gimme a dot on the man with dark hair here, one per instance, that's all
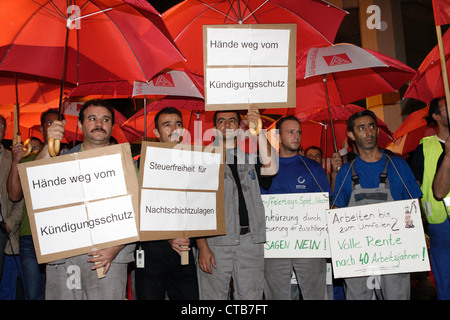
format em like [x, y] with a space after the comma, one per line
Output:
[296, 174]
[163, 275]
[33, 273]
[96, 121]
[373, 177]
[239, 254]
[425, 161]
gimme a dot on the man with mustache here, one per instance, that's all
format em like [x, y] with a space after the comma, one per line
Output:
[373, 177]
[96, 121]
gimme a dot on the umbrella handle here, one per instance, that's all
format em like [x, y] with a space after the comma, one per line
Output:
[28, 149]
[255, 129]
[53, 146]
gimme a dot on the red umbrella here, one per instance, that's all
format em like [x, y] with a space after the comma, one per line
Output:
[84, 40]
[344, 73]
[317, 21]
[411, 131]
[316, 128]
[174, 82]
[104, 39]
[19, 91]
[427, 83]
[27, 88]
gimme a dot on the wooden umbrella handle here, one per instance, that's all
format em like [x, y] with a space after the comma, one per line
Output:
[53, 146]
[28, 148]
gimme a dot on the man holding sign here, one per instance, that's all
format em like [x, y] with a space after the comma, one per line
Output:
[161, 272]
[239, 254]
[74, 278]
[296, 174]
[373, 177]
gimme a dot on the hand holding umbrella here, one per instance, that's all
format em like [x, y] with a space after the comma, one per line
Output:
[254, 120]
[55, 134]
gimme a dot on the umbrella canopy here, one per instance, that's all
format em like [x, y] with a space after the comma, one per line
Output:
[105, 39]
[351, 73]
[174, 82]
[27, 88]
[316, 128]
[427, 83]
[410, 132]
[317, 21]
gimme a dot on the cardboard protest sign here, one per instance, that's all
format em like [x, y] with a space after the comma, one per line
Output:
[181, 191]
[377, 239]
[296, 225]
[249, 64]
[80, 201]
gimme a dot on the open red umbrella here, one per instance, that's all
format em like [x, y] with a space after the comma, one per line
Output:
[344, 73]
[173, 82]
[101, 39]
[410, 132]
[81, 41]
[317, 21]
[427, 83]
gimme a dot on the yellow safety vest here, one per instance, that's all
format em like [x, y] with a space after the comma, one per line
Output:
[434, 210]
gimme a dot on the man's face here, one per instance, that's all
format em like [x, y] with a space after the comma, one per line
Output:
[2, 128]
[290, 136]
[49, 118]
[315, 155]
[365, 133]
[442, 115]
[169, 128]
[227, 123]
[97, 125]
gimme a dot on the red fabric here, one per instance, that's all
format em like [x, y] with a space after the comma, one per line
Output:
[127, 42]
[441, 12]
[427, 83]
[349, 86]
[317, 22]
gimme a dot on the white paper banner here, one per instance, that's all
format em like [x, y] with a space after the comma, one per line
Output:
[82, 226]
[76, 181]
[180, 169]
[241, 47]
[296, 225]
[246, 85]
[164, 210]
[377, 239]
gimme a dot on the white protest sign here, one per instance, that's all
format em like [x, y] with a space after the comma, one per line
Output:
[249, 64]
[180, 169]
[296, 225]
[240, 85]
[79, 201]
[76, 181]
[80, 226]
[248, 47]
[164, 210]
[377, 239]
[182, 191]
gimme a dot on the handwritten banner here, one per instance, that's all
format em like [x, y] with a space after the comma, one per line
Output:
[296, 225]
[377, 239]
